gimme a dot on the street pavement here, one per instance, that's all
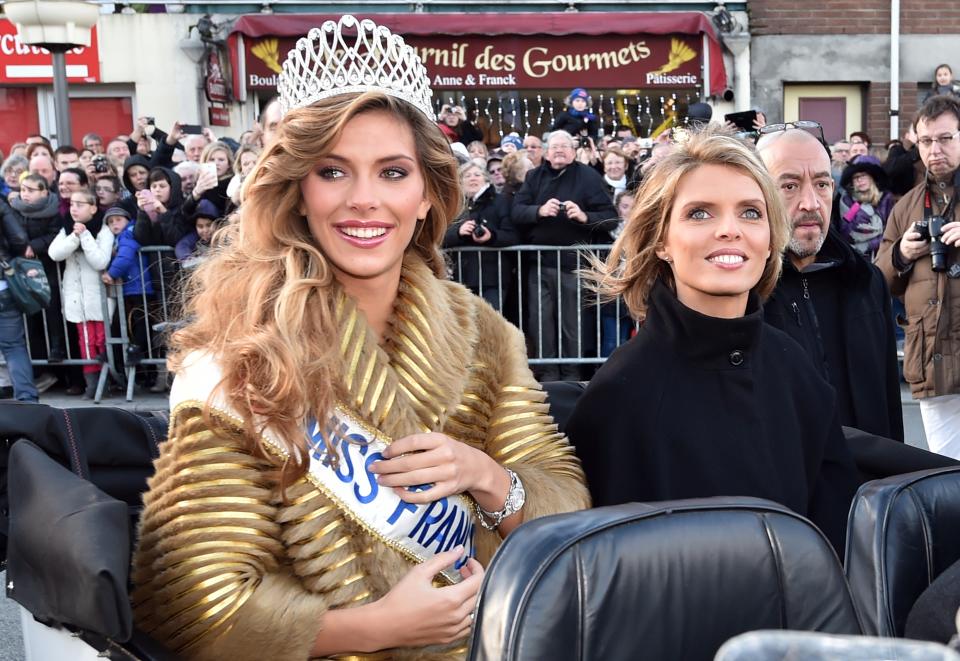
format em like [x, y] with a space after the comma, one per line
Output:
[11, 642]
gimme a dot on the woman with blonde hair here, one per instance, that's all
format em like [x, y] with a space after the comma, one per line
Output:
[243, 163]
[707, 399]
[213, 182]
[351, 434]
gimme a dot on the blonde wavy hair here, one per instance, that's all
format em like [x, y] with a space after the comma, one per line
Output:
[264, 303]
[633, 266]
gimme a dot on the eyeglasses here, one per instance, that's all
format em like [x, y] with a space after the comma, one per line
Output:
[494, 170]
[105, 189]
[30, 190]
[942, 140]
[814, 128]
[79, 203]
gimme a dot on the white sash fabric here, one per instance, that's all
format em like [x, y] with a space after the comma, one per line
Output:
[417, 531]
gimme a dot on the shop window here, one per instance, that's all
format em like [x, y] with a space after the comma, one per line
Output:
[108, 117]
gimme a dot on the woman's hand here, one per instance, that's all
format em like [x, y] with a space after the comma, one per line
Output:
[79, 228]
[175, 135]
[485, 235]
[450, 467]
[28, 253]
[415, 613]
[205, 181]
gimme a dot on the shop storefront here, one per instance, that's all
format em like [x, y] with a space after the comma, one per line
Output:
[512, 72]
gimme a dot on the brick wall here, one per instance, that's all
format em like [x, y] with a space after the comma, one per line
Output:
[827, 17]
[878, 109]
[852, 17]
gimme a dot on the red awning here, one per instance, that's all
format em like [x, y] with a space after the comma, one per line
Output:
[550, 23]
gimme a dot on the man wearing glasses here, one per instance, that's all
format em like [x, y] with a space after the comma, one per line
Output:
[832, 301]
[920, 259]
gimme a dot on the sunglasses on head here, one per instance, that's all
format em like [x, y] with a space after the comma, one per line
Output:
[813, 128]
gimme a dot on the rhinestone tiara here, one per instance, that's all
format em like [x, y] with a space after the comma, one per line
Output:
[328, 62]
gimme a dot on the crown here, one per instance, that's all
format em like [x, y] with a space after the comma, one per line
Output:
[328, 62]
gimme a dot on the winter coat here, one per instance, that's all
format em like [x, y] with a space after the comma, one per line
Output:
[167, 228]
[81, 288]
[903, 168]
[13, 237]
[838, 310]
[490, 207]
[696, 406]
[41, 221]
[861, 224]
[451, 364]
[574, 123]
[578, 183]
[931, 353]
[128, 265]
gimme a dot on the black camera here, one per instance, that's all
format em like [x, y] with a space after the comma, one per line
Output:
[478, 228]
[584, 142]
[100, 164]
[562, 211]
[152, 121]
[932, 230]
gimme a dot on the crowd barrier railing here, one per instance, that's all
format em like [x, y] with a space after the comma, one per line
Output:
[535, 287]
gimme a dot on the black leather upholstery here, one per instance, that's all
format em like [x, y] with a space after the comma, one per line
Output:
[903, 532]
[670, 580]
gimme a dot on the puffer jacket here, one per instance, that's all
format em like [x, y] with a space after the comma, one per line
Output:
[85, 257]
[931, 361]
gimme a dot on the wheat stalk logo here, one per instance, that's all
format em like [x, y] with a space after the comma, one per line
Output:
[679, 53]
[268, 52]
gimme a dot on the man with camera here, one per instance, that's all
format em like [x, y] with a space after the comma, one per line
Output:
[920, 259]
[561, 203]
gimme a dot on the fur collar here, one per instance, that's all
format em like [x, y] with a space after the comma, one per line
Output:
[410, 383]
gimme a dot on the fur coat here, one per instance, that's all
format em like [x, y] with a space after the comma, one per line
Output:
[227, 569]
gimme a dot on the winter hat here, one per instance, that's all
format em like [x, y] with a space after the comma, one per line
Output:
[512, 139]
[864, 163]
[579, 93]
[460, 151]
[116, 211]
[206, 209]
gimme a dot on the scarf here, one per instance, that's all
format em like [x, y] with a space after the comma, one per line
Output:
[617, 184]
[44, 208]
[585, 114]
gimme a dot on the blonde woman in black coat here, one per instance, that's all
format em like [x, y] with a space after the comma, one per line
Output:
[707, 399]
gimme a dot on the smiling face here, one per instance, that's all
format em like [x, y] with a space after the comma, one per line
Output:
[363, 200]
[718, 239]
[67, 184]
[205, 227]
[944, 75]
[473, 180]
[801, 169]
[614, 166]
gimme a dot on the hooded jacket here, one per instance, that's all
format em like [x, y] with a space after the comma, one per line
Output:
[130, 203]
[40, 220]
[168, 227]
[838, 310]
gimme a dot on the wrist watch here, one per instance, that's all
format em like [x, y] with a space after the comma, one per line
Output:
[516, 497]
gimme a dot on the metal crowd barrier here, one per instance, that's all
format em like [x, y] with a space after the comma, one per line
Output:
[535, 287]
[538, 289]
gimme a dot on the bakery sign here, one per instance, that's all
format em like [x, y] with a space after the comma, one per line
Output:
[534, 62]
[20, 63]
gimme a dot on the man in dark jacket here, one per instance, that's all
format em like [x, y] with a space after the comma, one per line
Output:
[834, 303]
[561, 203]
[13, 345]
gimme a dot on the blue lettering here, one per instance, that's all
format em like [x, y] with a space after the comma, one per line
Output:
[347, 463]
[440, 535]
[457, 536]
[469, 549]
[374, 487]
[401, 506]
[429, 519]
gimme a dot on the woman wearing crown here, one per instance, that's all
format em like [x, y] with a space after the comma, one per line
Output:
[351, 434]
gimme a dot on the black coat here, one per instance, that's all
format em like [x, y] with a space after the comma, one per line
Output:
[841, 315]
[695, 406]
[493, 210]
[41, 223]
[576, 125]
[13, 237]
[168, 227]
[577, 183]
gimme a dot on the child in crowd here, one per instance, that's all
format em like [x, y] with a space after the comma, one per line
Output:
[192, 249]
[86, 249]
[131, 269]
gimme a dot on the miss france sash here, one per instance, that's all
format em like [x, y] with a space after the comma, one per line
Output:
[417, 531]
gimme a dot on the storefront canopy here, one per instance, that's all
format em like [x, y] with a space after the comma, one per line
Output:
[498, 25]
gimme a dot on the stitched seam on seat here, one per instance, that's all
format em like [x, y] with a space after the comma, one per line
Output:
[778, 561]
[927, 529]
[581, 603]
[531, 584]
[73, 446]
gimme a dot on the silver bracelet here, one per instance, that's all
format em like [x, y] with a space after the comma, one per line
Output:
[516, 497]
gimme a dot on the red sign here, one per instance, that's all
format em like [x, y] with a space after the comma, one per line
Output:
[214, 84]
[20, 63]
[525, 62]
[219, 116]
